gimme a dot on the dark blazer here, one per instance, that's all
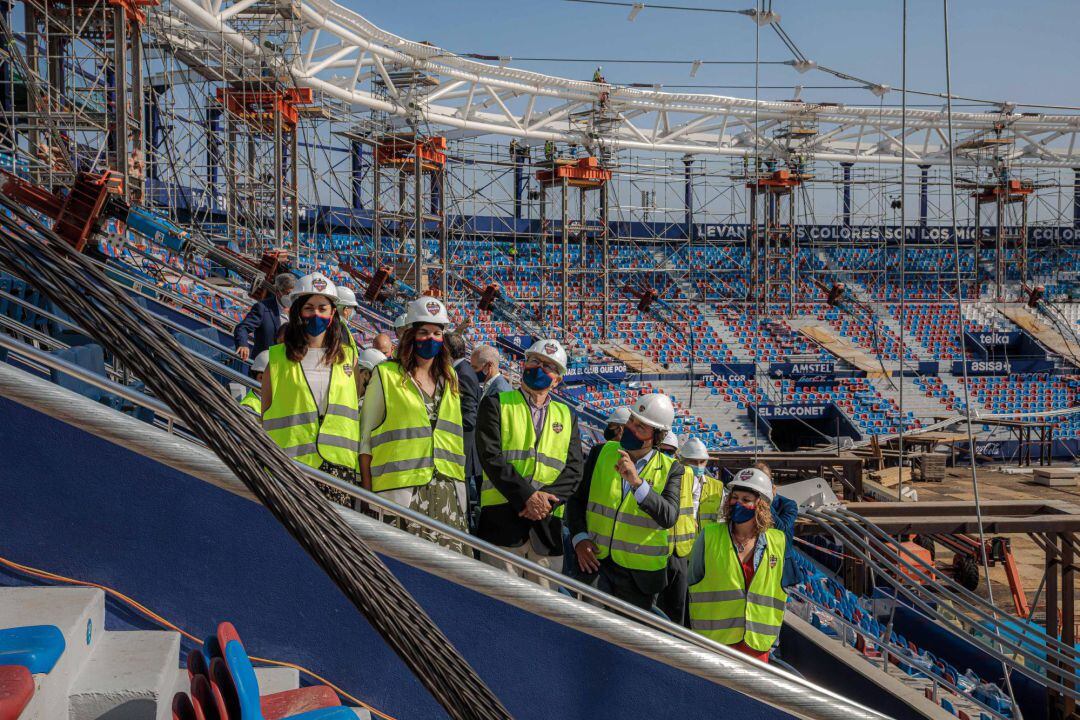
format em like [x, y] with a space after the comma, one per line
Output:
[469, 386]
[501, 524]
[662, 507]
[261, 325]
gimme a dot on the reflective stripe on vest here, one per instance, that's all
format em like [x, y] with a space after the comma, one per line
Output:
[538, 461]
[712, 494]
[292, 420]
[721, 606]
[252, 402]
[614, 521]
[685, 530]
[405, 450]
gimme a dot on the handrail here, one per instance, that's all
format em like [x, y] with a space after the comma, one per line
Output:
[872, 558]
[646, 634]
[900, 652]
[171, 324]
[211, 365]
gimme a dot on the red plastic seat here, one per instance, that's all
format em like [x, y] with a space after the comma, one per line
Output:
[16, 690]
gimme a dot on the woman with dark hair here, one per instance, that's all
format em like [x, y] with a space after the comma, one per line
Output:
[411, 436]
[310, 391]
[736, 570]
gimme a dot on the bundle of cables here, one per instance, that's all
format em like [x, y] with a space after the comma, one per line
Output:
[32, 252]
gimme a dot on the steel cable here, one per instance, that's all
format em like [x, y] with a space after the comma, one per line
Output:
[33, 253]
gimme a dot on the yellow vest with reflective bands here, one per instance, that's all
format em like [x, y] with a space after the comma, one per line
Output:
[538, 461]
[685, 530]
[620, 528]
[712, 494]
[252, 402]
[405, 450]
[722, 608]
[292, 420]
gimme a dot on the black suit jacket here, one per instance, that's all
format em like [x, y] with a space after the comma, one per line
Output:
[662, 507]
[469, 386]
[261, 324]
[501, 524]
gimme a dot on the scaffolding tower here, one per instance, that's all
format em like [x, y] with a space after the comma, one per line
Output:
[773, 246]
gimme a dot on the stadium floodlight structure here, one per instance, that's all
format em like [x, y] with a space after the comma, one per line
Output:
[343, 56]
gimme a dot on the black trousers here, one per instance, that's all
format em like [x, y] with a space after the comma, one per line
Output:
[636, 587]
[673, 598]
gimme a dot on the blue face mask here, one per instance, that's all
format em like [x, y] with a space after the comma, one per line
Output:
[536, 379]
[740, 513]
[429, 348]
[630, 442]
[316, 325]
[698, 471]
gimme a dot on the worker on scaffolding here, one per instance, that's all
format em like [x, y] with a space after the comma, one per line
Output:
[549, 151]
[598, 78]
[736, 570]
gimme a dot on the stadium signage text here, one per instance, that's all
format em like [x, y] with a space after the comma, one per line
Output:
[1002, 367]
[803, 371]
[607, 371]
[732, 370]
[993, 339]
[738, 232]
[785, 412]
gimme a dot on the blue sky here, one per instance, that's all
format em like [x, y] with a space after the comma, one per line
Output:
[1021, 52]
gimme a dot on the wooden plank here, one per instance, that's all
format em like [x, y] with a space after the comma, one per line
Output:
[889, 477]
[1043, 332]
[843, 349]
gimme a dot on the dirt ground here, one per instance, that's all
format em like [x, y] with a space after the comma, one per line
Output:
[997, 485]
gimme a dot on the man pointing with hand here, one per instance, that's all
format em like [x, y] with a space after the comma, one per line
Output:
[627, 505]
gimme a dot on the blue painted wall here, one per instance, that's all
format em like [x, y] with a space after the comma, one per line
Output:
[79, 506]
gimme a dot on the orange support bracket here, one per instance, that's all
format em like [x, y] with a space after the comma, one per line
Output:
[1016, 587]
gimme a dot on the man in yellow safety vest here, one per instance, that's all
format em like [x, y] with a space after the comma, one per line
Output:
[530, 452]
[622, 514]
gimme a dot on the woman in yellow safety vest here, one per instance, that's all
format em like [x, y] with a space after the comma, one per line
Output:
[736, 569]
[412, 450]
[309, 391]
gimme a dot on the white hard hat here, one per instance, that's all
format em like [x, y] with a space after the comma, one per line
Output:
[551, 350]
[369, 358]
[671, 439]
[426, 309]
[401, 321]
[619, 416]
[694, 449]
[655, 410]
[752, 479]
[314, 284]
[346, 297]
[261, 361]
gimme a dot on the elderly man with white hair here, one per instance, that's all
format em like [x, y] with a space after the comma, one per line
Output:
[485, 362]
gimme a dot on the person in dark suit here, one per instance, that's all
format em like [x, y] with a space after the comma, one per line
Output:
[263, 321]
[469, 385]
[530, 449]
[626, 505]
[485, 361]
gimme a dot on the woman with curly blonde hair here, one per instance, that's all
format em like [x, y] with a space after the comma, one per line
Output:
[736, 566]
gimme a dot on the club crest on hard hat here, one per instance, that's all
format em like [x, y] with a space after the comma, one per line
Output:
[433, 307]
[550, 348]
[319, 284]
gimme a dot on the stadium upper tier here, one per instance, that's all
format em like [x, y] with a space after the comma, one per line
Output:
[345, 56]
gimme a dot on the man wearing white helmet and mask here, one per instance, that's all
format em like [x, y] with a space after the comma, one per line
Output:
[252, 400]
[670, 444]
[309, 392]
[411, 446]
[346, 307]
[622, 514]
[736, 570]
[530, 451]
[615, 422]
[365, 366]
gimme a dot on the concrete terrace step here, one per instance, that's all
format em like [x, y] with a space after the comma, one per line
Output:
[79, 613]
[129, 676]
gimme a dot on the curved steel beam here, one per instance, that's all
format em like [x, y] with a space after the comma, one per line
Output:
[348, 58]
